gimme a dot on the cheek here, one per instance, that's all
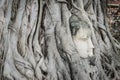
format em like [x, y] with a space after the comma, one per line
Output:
[83, 45]
[82, 48]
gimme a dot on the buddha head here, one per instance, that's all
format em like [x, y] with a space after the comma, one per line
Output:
[82, 37]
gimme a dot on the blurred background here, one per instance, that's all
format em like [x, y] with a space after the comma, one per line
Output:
[113, 12]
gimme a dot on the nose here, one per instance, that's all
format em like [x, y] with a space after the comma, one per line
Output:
[90, 44]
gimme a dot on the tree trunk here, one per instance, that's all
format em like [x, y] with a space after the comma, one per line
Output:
[36, 41]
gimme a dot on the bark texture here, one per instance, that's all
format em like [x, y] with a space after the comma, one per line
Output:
[36, 41]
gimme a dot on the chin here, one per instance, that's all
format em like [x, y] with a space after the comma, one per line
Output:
[86, 55]
[91, 54]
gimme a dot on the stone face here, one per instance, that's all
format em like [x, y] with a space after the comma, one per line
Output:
[82, 36]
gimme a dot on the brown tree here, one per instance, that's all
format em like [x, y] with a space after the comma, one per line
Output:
[37, 41]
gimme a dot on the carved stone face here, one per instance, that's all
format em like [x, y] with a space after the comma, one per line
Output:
[83, 44]
[82, 36]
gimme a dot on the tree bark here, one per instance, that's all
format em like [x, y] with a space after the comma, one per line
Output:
[36, 42]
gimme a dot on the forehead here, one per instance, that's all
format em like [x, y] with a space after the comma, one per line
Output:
[75, 21]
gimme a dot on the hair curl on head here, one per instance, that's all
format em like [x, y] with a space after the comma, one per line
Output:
[79, 27]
